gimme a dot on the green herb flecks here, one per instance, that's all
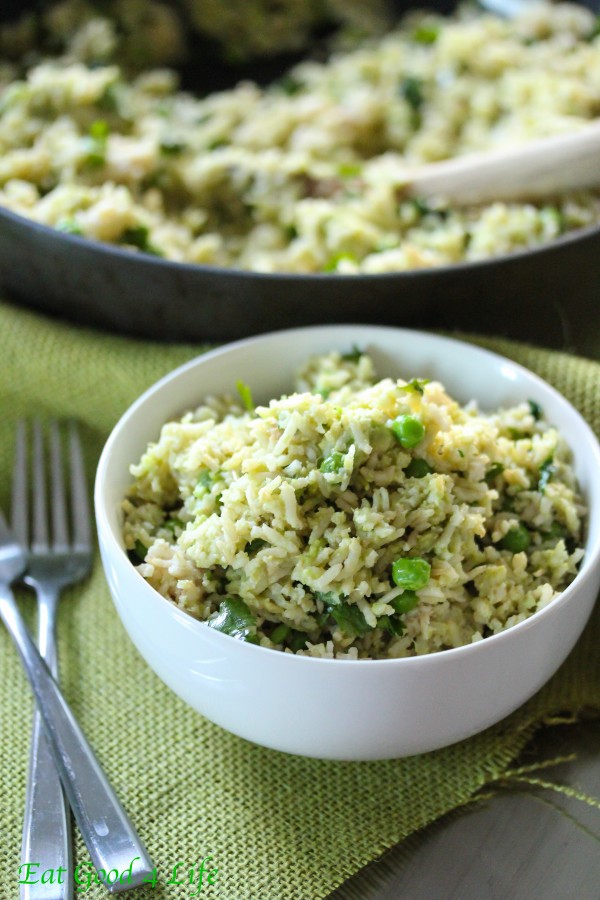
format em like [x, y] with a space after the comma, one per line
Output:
[170, 147]
[353, 355]
[333, 463]
[492, 473]
[255, 545]
[288, 85]
[547, 471]
[96, 143]
[139, 236]
[69, 226]
[349, 619]
[245, 395]
[235, 619]
[138, 554]
[536, 410]
[517, 539]
[280, 633]
[415, 385]
[411, 89]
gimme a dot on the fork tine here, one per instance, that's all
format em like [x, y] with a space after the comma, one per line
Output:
[40, 509]
[60, 537]
[19, 501]
[82, 539]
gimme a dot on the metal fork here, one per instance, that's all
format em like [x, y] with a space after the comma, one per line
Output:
[51, 566]
[53, 563]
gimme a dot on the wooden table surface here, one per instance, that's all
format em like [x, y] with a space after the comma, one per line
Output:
[521, 845]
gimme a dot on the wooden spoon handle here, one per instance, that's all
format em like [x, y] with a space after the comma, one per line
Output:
[530, 171]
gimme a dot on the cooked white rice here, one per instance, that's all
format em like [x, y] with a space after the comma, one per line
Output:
[308, 174]
[311, 525]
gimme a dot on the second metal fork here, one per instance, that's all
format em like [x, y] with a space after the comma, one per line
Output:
[53, 562]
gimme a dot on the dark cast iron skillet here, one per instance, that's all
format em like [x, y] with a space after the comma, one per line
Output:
[547, 295]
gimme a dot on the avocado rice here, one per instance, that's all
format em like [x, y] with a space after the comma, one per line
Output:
[306, 175]
[357, 518]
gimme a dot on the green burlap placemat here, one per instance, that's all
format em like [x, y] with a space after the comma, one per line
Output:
[276, 826]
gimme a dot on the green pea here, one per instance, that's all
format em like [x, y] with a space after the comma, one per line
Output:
[516, 540]
[408, 431]
[418, 468]
[411, 573]
[405, 603]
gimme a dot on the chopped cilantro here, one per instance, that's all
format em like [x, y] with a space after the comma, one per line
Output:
[255, 545]
[547, 471]
[415, 386]
[494, 470]
[235, 619]
[349, 619]
[354, 355]
[536, 410]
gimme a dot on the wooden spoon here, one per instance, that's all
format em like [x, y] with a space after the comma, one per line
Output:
[530, 171]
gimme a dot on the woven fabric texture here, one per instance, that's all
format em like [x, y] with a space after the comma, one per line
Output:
[276, 826]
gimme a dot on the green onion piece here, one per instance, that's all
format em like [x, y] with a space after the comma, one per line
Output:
[246, 395]
[332, 463]
[235, 619]
[403, 604]
[279, 633]
[536, 410]
[418, 468]
[408, 431]
[349, 619]
[411, 573]
[516, 540]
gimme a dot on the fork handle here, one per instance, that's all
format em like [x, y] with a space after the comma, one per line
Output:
[107, 831]
[46, 822]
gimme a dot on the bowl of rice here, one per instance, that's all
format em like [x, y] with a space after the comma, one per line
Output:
[351, 542]
[210, 213]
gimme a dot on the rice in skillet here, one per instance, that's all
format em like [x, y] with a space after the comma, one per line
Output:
[356, 518]
[306, 175]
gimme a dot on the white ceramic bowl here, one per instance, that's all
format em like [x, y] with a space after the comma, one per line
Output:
[342, 709]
